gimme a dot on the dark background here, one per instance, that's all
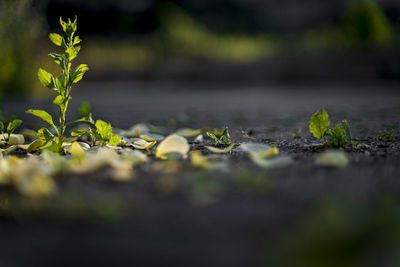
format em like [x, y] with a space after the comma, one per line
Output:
[266, 41]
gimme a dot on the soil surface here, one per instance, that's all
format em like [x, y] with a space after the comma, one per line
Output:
[299, 215]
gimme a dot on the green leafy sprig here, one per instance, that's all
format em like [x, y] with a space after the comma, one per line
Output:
[339, 136]
[62, 84]
[223, 139]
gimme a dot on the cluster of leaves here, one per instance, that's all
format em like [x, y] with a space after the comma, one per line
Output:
[62, 86]
[387, 136]
[220, 138]
[10, 129]
[339, 136]
[102, 134]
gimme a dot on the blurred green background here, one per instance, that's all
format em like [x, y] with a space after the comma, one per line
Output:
[205, 40]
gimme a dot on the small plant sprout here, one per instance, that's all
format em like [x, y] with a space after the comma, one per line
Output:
[339, 136]
[103, 134]
[221, 139]
[10, 129]
[62, 84]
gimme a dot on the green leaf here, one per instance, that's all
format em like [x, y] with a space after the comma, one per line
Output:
[44, 116]
[45, 134]
[104, 129]
[61, 83]
[225, 138]
[77, 75]
[63, 24]
[319, 123]
[114, 139]
[213, 137]
[71, 53]
[46, 79]
[56, 39]
[338, 136]
[79, 133]
[77, 40]
[13, 125]
[59, 59]
[1, 126]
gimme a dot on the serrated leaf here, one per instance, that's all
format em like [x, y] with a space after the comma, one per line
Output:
[46, 79]
[114, 139]
[77, 75]
[56, 39]
[104, 129]
[319, 123]
[13, 125]
[44, 116]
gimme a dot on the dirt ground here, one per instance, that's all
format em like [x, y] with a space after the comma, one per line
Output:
[300, 215]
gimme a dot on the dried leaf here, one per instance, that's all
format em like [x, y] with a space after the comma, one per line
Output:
[333, 158]
[173, 144]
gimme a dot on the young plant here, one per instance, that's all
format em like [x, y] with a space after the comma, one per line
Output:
[62, 84]
[102, 134]
[10, 129]
[222, 139]
[339, 136]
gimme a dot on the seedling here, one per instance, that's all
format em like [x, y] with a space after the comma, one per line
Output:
[339, 136]
[297, 135]
[223, 139]
[102, 134]
[62, 84]
[10, 129]
[388, 136]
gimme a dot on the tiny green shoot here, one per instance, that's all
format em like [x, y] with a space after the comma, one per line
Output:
[223, 139]
[11, 127]
[339, 136]
[103, 134]
[297, 135]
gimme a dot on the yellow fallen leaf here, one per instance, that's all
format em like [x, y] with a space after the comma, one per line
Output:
[199, 161]
[38, 185]
[76, 150]
[35, 145]
[122, 170]
[219, 150]
[151, 137]
[188, 133]
[142, 144]
[273, 151]
[333, 159]
[173, 144]
[134, 156]
[267, 163]
[15, 139]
